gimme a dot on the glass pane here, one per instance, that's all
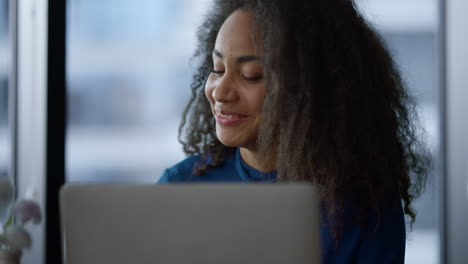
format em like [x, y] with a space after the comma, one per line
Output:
[410, 31]
[127, 72]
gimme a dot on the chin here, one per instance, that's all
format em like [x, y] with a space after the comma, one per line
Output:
[236, 138]
[229, 139]
[228, 142]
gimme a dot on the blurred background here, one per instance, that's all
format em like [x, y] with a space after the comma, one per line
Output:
[4, 75]
[128, 78]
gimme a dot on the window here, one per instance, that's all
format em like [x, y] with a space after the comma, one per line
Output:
[128, 79]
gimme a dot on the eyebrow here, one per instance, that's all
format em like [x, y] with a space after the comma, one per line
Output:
[240, 59]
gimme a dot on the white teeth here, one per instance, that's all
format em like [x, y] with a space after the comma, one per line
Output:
[228, 116]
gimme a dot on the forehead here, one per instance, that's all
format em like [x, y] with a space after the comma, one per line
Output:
[236, 35]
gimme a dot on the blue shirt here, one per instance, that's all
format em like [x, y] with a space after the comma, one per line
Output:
[386, 244]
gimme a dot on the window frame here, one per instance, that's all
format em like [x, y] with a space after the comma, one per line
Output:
[38, 114]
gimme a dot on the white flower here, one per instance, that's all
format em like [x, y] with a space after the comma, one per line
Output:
[26, 210]
[17, 237]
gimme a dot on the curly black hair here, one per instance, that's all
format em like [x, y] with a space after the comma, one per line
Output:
[336, 110]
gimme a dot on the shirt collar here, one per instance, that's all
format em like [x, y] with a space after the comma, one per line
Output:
[249, 174]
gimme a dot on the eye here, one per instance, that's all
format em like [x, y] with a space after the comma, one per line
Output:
[253, 78]
[217, 73]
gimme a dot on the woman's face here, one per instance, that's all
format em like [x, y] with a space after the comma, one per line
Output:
[235, 88]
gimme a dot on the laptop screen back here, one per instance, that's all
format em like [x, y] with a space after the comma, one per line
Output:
[190, 223]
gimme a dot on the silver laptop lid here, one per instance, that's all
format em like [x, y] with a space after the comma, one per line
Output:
[190, 223]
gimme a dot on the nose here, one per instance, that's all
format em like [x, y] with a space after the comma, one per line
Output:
[225, 90]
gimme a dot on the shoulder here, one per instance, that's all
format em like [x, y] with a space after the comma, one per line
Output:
[384, 240]
[181, 171]
[184, 170]
[381, 240]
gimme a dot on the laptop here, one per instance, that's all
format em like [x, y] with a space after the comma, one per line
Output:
[190, 223]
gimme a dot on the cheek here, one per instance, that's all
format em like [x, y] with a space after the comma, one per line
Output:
[258, 98]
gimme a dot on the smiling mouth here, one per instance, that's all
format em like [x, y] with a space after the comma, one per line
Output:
[228, 115]
[229, 119]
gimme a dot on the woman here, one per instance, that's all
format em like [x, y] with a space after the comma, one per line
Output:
[306, 91]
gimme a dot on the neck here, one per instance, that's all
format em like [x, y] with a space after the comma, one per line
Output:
[256, 161]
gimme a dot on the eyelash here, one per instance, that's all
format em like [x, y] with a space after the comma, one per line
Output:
[253, 79]
[249, 79]
[217, 72]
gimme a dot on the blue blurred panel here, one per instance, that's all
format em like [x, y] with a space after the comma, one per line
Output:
[122, 20]
[128, 79]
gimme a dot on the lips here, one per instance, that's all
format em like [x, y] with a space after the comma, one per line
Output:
[228, 114]
[228, 118]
